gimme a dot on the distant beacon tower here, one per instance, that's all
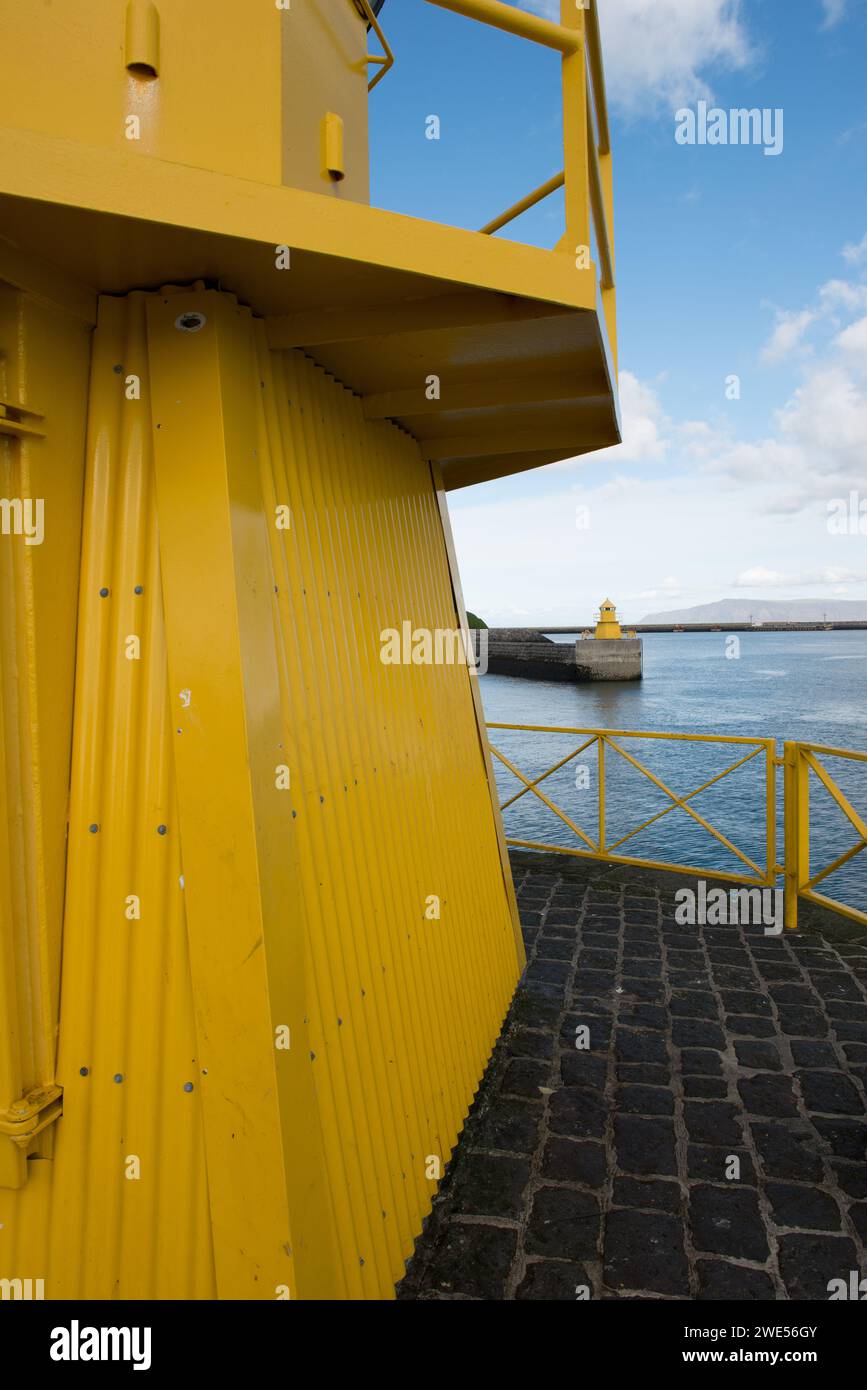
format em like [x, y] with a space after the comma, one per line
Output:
[257, 926]
[607, 625]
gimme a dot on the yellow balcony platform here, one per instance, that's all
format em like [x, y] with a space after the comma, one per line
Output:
[520, 338]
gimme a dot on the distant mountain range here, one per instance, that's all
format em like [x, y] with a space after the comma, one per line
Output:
[795, 610]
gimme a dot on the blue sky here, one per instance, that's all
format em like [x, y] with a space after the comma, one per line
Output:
[728, 262]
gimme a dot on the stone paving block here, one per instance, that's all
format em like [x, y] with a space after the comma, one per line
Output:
[579, 1068]
[473, 1260]
[830, 1093]
[713, 1164]
[643, 1074]
[721, 1280]
[713, 1122]
[750, 1026]
[808, 1263]
[788, 1151]
[512, 1125]
[644, 1250]
[852, 1177]
[645, 1145]
[573, 1160]
[634, 1046]
[644, 1100]
[847, 1138]
[814, 1054]
[768, 1094]
[522, 1043]
[697, 1032]
[523, 1077]
[745, 1001]
[555, 948]
[553, 1281]
[655, 1195]
[803, 1207]
[798, 1022]
[705, 1088]
[693, 1003]
[728, 1221]
[700, 1062]
[577, 1114]
[492, 1185]
[758, 1056]
[563, 1224]
[599, 1030]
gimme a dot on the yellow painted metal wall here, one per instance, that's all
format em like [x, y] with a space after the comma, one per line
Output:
[244, 94]
[389, 805]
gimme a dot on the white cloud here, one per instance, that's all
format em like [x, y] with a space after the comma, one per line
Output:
[853, 341]
[788, 334]
[854, 253]
[834, 298]
[834, 11]
[645, 426]
[661, 51]
[833, 576]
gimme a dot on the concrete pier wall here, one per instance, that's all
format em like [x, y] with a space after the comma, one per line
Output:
[527, 653]
[598, 659]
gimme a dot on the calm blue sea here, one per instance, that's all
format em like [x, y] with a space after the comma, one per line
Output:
[810, 687]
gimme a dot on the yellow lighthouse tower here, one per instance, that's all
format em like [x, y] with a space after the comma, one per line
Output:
[607, 625]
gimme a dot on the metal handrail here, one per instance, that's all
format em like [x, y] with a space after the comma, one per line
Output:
[543, 191]
[800, 760]
[599, 849]
[385, 60]
[517, 22]
[568, 42]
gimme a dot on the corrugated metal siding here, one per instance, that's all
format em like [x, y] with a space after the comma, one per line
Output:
[126, 1007]
[391, 806]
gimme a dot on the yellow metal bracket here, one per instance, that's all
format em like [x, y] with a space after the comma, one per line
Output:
[385, 60]
[20, 1124]
[12, 423]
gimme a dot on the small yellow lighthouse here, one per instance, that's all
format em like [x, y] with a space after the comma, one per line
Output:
[608, 626]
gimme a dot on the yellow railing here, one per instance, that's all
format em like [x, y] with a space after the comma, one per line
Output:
[610, 739]
[799, 761]
[587, 175]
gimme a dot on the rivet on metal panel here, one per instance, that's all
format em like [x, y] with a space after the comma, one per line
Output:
[142, 39]
[162, 830]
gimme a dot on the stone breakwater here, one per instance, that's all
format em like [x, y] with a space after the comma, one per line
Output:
[525, 652]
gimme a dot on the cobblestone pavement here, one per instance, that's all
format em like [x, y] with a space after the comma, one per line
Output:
[606, 1168]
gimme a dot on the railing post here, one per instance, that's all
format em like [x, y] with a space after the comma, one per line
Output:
[576, 133]
[602, 794]
[796, 820]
